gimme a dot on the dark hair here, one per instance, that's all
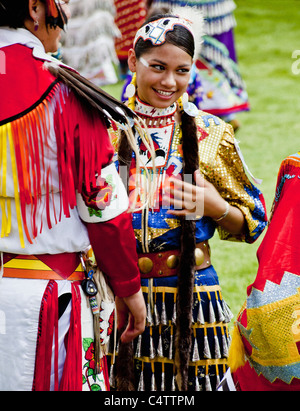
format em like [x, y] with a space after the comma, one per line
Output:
[13, 13]
[180, 37]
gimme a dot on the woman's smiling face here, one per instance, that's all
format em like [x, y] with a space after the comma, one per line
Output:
[163, 74]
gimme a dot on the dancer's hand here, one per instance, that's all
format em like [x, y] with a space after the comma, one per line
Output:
[131, 311]
[202, 199]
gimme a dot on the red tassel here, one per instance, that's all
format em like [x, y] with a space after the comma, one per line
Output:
[48, 200]
[36, 172]
[105, 373]
[48, 326]
[79, 134]
[19, 143]
[72, 374]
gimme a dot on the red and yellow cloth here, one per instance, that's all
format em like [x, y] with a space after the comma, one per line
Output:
[51, 146]
[268, 327]
[83, 147]
[130, 15]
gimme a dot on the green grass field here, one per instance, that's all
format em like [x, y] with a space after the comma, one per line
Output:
[267, 34]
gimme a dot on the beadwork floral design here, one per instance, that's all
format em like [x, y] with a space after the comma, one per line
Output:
[95, 382]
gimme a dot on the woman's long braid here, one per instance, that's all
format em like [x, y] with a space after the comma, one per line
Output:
[187, 260]
[124, 362]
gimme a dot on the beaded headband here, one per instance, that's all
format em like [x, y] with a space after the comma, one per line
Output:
[156, 31]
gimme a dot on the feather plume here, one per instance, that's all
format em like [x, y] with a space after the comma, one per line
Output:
[108, 106]
[52, 9]
[195, 16]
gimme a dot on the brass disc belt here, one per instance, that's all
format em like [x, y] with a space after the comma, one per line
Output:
[166, 263]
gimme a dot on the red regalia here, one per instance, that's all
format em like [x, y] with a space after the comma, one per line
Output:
[130, 15]
[267, 328]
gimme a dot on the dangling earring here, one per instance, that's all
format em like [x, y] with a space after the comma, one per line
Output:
[36, 25]
[185, 98]
[186, 106]
[130, 90]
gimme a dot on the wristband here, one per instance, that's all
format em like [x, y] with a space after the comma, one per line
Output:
[223, 215]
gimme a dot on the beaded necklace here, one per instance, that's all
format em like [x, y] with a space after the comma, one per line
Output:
[166, 136]
[155, 117]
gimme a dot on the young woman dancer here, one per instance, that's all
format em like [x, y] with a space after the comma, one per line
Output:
[201, 187]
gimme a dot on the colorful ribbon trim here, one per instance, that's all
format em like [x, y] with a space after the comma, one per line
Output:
[30, 267]
[23, 143]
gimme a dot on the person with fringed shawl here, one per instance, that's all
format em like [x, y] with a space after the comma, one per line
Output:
[201, 185]
[59, 195]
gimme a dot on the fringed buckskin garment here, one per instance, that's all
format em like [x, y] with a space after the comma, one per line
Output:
[266, 341]
[53, 144]
[185, 344]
